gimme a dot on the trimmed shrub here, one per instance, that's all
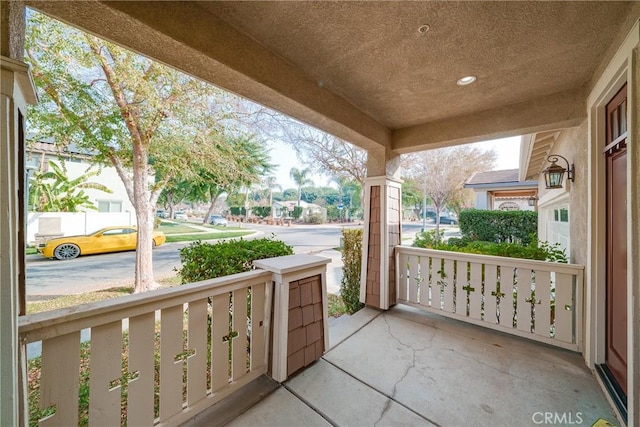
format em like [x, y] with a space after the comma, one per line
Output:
[315, 218]
[542, 251]
[237, 210]
[262, 211]
[201, 261]
[333, 213]
[297, 212]
[500, 226]
[352, 260]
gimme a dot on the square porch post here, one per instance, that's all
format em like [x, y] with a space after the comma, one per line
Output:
[382, 230]
[16, 91]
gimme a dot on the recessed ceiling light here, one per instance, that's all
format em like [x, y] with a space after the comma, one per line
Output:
[467, 80]
[424, 28]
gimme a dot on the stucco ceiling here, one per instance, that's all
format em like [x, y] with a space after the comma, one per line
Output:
[373, 54]
[364, 70]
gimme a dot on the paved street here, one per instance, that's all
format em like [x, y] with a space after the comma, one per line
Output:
[89, 273]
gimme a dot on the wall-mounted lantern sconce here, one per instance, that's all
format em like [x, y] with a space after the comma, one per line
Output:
[531, 201]
[554, 174]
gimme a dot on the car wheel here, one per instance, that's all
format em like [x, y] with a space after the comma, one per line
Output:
[66, 251]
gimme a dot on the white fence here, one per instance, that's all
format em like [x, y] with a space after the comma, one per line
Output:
[538, 300]
[56, 224]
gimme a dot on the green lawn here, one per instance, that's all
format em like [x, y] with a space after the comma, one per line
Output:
[207, 236]
[221, 228]
[169, 228]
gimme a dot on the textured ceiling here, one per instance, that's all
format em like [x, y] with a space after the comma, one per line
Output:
[364, 72]
[372, 54]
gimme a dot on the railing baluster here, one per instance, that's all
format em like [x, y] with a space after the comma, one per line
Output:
[543, 310]
[220, 346]
[257, 326]
[490, 294]
[239, 343]
[448, 283]
[197, 340]
[140, 399]
[106, 379]
[425, 294]
[59, 379]
[524, 300]
[564, 312]
[461, 284]
[506, 296]
[403, 276]
[413, 279]
[475, 291]
[171, 345]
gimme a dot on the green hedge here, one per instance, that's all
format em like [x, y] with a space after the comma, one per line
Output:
[352, 260]
[261, 211]
[499, 226]
[297, 212]
[237, 210]
[201, 261]
[542, 251]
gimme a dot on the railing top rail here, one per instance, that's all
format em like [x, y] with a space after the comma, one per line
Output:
[494, 260]
[34, 327]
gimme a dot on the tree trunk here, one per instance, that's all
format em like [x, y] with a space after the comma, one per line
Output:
[214, 199]
[144, 214]
[271, 203]
[437, 221]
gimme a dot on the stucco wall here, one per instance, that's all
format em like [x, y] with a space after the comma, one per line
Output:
[55, 224]
[108, 177]
[571, 144]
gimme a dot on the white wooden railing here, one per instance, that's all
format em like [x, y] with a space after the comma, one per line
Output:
[205, 339]
[538, 300]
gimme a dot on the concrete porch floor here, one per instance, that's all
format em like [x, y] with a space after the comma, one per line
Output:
[405, 367]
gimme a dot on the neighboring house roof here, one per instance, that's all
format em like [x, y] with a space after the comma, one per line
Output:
[507, 178]
[534, 150]
[50, 147]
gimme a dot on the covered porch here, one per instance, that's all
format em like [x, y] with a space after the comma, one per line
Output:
[384, 78]
[408, 367]
[470, 340]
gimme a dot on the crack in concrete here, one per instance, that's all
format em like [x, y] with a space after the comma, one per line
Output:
[387, 405]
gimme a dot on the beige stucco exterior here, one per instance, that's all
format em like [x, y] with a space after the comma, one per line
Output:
[571, 144]
[583, 146]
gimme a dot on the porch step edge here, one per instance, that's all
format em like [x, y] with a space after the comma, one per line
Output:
[234, 405]
[346, 325]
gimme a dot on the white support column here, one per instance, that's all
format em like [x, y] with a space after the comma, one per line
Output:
[16, 92]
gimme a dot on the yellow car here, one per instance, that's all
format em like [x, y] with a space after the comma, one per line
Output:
[110, 239]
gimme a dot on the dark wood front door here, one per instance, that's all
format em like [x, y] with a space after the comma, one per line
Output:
[616, 158]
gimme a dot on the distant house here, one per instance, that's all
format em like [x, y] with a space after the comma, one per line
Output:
[502, 190]
[77, 161]
[283, 209]
[112, 209]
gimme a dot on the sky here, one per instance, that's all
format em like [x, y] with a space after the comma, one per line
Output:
[507, 149]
